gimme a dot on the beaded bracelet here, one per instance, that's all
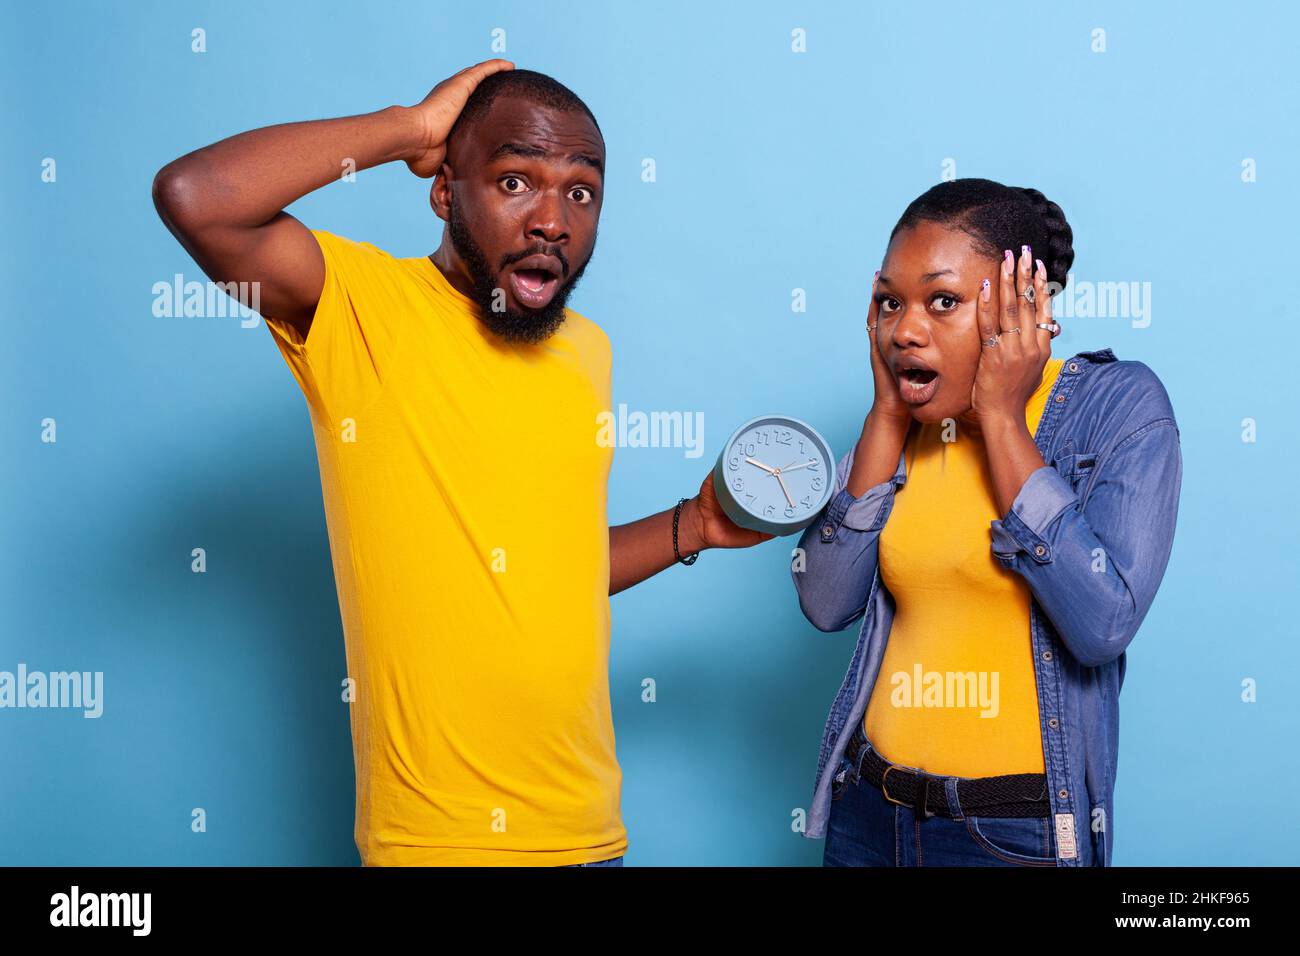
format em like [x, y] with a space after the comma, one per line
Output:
[689, 559]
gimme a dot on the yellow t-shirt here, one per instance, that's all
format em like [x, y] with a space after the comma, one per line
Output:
[956, 693]
[464, 492]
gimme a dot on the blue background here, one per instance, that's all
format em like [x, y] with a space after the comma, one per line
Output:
[775, 171]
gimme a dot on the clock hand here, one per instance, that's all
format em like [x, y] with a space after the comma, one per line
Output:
[777, 475]
[761, 465]
[795, 467]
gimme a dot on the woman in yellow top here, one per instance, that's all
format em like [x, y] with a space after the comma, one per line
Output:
[1001, 526]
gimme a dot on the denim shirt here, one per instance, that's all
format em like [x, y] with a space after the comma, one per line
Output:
[1090, 533]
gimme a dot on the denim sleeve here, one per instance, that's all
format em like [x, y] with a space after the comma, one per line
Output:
[835, 562]
[1095, 570]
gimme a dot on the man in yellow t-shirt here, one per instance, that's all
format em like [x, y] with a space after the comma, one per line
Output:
[455, 400]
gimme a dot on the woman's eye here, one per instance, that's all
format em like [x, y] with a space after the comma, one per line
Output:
[888, 304]
[580, 195]
[513, 184]
[944, 303]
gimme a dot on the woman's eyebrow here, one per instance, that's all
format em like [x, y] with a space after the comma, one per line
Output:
[883, 279]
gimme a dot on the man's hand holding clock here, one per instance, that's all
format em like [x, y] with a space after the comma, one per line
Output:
[773, 477]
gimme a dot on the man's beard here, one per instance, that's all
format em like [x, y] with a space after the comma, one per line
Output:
[529, 327]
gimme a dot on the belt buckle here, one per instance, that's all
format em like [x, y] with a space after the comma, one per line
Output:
[919, 798]
[884, 786]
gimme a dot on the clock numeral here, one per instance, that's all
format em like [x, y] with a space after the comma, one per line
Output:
[806, 501]
[738, 483]
[789, 512]
[733, 462]
[769, 511]
[786, 440]
[817, 483]
[763, 437]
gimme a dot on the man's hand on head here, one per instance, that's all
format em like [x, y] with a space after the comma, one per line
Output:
[435, 115]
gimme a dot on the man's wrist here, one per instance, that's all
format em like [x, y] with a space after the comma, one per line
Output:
[690, 528]
[408, 131]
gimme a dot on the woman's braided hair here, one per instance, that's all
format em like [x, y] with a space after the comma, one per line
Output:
[999, 217]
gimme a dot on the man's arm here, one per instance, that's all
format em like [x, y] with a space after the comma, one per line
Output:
[643, 548]
[225, 202]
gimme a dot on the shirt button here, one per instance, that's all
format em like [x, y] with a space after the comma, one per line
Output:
[1059, 399]
[827, 531]
[1063, 794]
[1047, 655]
[1074, 366]
[1053, 723]
[1040, 550]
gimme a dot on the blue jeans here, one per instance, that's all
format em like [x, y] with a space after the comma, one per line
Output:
[617, 861]
[865, 829]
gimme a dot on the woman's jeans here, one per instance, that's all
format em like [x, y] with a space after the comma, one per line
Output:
[865, 829]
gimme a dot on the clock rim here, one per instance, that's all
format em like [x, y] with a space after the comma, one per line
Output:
[786, 526]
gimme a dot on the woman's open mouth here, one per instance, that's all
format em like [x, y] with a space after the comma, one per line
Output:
[534, 288]
[917, 386]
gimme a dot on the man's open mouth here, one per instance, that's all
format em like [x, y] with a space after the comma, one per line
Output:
[917, 385]
[535, 280]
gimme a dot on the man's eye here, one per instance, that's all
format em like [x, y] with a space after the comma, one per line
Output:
[944, 303]
[513, 184]
[581, 194]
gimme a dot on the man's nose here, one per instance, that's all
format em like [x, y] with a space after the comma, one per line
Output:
[546, 219]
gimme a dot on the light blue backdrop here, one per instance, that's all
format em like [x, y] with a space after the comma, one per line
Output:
[776, 171]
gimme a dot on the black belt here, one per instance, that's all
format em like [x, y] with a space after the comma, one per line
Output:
[1008, 795]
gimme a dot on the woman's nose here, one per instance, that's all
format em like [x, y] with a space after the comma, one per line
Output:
[912, 328]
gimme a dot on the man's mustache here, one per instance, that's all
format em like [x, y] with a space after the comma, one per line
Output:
[556, 253]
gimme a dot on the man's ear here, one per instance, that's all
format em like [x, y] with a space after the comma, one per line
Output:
[440, 193]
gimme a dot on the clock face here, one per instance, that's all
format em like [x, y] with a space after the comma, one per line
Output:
[778, 473]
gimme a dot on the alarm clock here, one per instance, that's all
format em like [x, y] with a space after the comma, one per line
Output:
[774, 475]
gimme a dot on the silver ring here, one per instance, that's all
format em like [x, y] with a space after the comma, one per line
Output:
[990, 341]
[1029, 294]
[1053, 327]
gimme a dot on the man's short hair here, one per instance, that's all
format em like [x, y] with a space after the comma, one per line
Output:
[527, 84]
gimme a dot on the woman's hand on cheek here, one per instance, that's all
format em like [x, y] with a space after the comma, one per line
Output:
[887, 402]
[1010, 371]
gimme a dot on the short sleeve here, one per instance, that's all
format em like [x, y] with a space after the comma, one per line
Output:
[342, 363]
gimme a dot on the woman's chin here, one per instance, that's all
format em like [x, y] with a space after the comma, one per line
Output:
[929, 413]
[932, 412]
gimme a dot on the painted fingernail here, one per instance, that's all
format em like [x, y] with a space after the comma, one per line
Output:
[1024, 254]
[1042, 270]
[984, 290]
[1007, 261]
